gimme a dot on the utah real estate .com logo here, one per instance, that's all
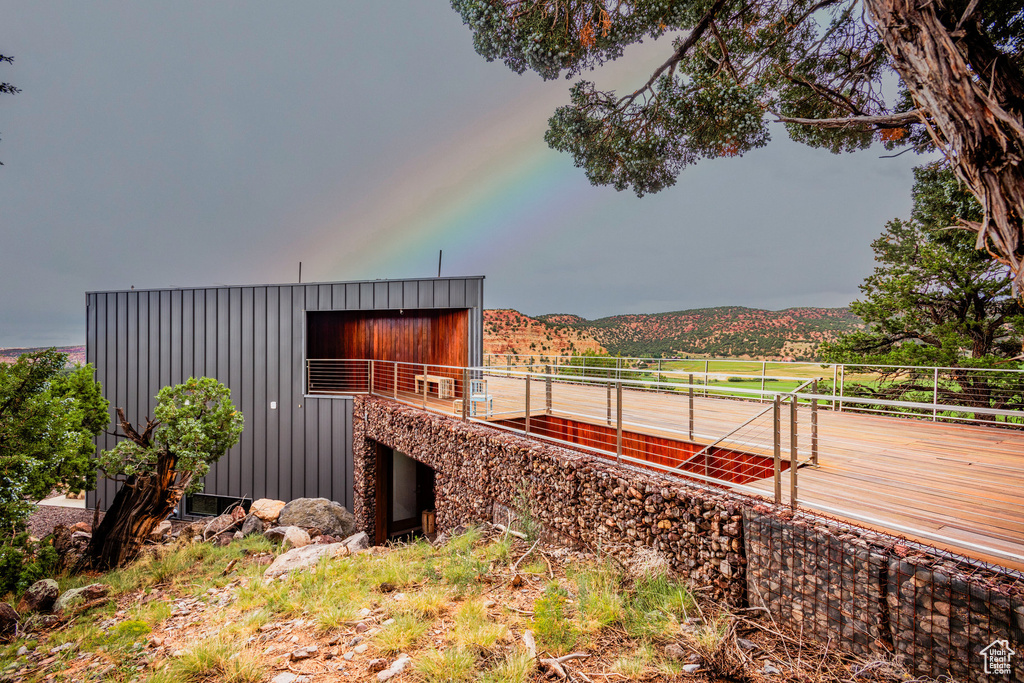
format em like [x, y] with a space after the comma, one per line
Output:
[998, 658]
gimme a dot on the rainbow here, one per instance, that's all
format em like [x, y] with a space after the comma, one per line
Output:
[476, 196]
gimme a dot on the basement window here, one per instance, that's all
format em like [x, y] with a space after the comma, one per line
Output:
[207, 505]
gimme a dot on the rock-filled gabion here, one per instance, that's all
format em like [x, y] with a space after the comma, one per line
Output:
[579, 497]
[870, 593]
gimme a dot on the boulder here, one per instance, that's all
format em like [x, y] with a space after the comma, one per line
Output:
[84, 594]
[295, 537]
[9, 619]
[224, 538]
[266, 509]
[303, 558]
[160, 531]
[357, 543]
[327, 516]
[218, 525]
[288, 536]
[252, 525]
[40, 596]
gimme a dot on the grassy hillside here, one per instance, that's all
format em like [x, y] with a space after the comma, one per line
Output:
[474, 609]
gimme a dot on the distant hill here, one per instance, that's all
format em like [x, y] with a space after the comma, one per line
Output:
[509, 331]
[76, 354]
[726, 331]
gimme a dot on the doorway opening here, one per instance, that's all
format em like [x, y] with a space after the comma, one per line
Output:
[405, 496]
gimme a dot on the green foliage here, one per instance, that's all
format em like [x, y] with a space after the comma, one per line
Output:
[198, 424]
[737, 64]
[48, 417]
[23, 563]
[933, 298]
[555, 629]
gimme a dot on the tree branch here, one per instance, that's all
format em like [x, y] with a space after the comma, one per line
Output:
[885, 121]
[677, 56]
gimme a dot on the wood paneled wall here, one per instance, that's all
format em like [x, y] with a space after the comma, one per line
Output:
[721, 463]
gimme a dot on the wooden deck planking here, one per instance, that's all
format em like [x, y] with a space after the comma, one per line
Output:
[957, 481]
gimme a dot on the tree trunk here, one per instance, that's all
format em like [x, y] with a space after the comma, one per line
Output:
[139, 506]
[973, 98]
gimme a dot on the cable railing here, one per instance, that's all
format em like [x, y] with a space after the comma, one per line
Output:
[858, 458]
[947, 391]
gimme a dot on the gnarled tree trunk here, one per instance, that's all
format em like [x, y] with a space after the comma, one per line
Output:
[973, 99]
[139, 506]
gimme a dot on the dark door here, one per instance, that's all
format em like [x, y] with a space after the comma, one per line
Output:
[405, 491]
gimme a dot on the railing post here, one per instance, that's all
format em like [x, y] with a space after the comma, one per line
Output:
[425, 385]
[935, 395]
[764, 369]
[369, 389]
[842, 386]
[618, 421]
[835, 383]
[528, 403]
[777, 449]
[794, 455]
[814, 425]
[691, 405]
[395, 390]
[608, 402]
[465, 394]
[547, 389]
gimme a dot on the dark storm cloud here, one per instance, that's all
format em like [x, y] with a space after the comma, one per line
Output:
[182, 144]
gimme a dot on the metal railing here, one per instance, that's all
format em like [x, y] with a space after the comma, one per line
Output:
[940, 483]
[932, 392]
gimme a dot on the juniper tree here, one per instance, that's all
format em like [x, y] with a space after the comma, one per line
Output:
[935, 300]
[818, 66]
[49, 415]
[195, 424]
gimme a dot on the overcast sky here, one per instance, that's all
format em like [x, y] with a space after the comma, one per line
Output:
[198, 143]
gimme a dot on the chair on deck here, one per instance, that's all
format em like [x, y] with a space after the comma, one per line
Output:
[478, 394]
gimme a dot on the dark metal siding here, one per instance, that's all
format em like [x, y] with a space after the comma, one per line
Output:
[252, 340]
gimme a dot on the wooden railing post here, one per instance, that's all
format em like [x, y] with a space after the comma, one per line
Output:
[465, 394]
[369, 389]
[395, 390]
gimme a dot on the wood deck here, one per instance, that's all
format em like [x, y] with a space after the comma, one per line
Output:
[959, 487]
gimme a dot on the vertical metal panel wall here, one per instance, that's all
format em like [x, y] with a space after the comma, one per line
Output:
[251, 339]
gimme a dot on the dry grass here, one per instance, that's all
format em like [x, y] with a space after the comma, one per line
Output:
[459, 611]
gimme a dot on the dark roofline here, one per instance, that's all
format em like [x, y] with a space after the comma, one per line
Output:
[288, 284]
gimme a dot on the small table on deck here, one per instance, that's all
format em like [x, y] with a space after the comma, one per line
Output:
[445, 385]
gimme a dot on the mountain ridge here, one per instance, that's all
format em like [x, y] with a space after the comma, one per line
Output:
[723, 331]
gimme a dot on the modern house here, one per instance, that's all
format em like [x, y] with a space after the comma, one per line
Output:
[273, 346]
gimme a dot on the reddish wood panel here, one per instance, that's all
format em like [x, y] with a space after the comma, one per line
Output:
[412, 338]
[720, 463]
